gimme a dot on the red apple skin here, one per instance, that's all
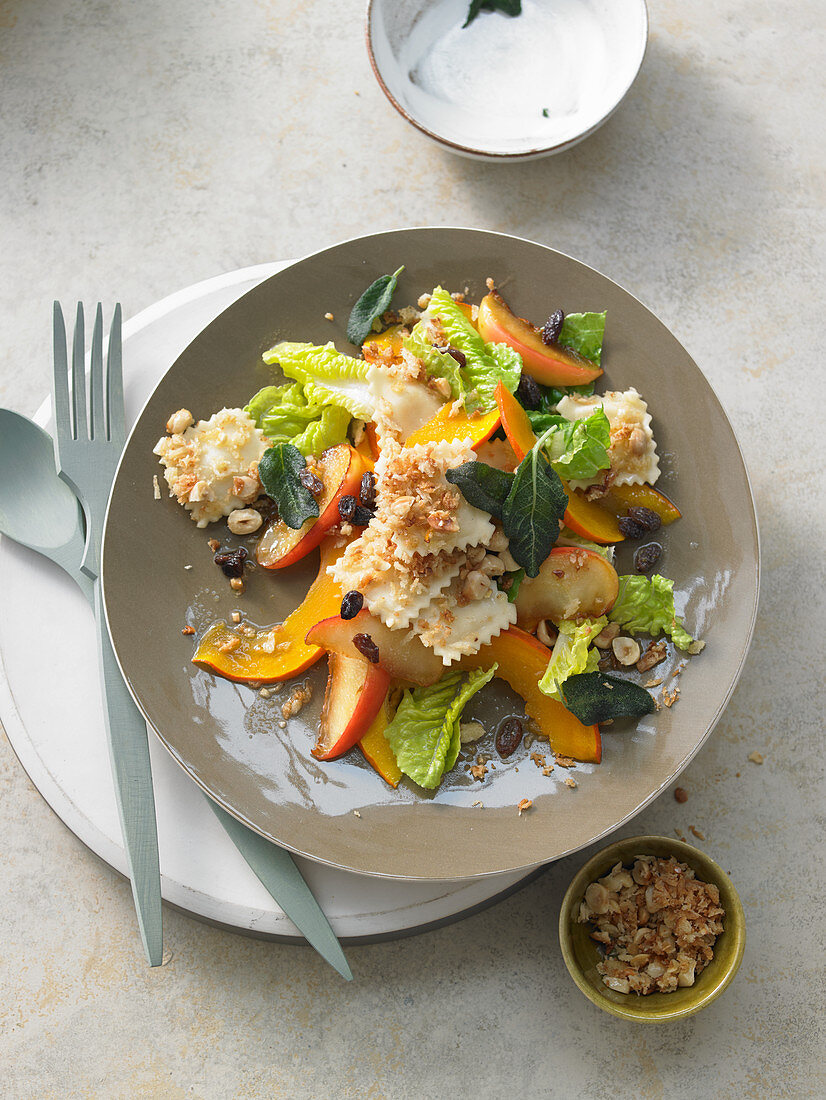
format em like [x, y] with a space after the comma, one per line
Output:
[355, 694]
[569, 573]
[280, 545]
[403, 658]
[550, 364]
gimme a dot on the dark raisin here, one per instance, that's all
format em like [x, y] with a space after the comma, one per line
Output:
[361, 516]
[309, 480]
[647, 557]
[351, 604]
[553, 327]
[528, 393]
[508, 737]
[647, 519]
[454, 353]
[367, 647]
[630, 528]
[367, 492]
[232, 561]
[346, 506]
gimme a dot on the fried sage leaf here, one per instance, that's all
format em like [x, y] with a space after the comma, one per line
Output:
[533, 510]
[595, 697]
[509, 7]
[279, 471]
[481, 485]
[373, 302]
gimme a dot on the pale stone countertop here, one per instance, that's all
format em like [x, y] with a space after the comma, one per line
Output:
[147, 146]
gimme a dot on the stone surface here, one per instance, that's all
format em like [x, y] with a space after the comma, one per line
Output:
[146, 146]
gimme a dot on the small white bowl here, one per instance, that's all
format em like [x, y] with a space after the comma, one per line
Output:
[506, 87]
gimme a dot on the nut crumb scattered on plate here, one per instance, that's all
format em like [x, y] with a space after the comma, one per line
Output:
[524, 804]
[756, 757]
[693, 829]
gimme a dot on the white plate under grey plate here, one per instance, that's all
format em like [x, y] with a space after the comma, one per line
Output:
[503, 87]
[55, 723]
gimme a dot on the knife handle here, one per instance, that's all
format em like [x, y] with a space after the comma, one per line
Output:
[128, 741]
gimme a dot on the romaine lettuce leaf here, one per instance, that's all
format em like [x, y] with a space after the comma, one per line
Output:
[571, 655]
[584, 333]
[646, 605]
[328, 375]
[424, 733]
[485, 364]
[285, 415]
[568, 538]
[578, 449]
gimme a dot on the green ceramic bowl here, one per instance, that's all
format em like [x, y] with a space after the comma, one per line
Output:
[581, 954]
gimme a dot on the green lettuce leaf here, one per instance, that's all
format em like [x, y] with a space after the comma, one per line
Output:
[424, 733]
[485, 364]
[284, 415]
[578, 449]
[584, 332]
[646, 605]
[568, 538]
[571, 655]
[328, 375]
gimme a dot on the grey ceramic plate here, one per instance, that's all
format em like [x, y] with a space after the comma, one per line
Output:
[228, 738]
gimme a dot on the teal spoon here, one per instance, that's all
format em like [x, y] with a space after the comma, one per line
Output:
[55, 528]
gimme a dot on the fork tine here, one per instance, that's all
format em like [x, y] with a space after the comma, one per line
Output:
[81, 430]
[97, 419]
[62, 409]
[115, 422]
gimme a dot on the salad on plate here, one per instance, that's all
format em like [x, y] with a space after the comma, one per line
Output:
[466, 489]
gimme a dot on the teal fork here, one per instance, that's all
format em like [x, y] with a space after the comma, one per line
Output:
[89, 438]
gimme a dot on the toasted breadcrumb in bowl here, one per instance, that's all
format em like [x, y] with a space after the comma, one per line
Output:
[694, 898]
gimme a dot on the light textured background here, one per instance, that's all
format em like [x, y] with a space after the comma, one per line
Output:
[148, 145]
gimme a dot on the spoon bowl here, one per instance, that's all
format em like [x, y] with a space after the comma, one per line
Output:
[37, 509]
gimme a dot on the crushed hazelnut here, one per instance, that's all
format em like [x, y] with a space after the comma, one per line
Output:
[237, 584]
[681, 794]
[644, 955]
[756, 757]
[655, 653]
[606, 636]
[230, 645]
[236, 616]
[696, 832]
[214, 545]
[156, 489]
[626, 650]
[570, 782]
[524, 804]
[188, 630]
[329, 317]
[297, 699]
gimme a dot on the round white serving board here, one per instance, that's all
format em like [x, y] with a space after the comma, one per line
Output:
[53, 715]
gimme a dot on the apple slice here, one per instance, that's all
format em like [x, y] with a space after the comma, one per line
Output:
[376, 747]
[550, 364]
[445, 426]
[340, 469]
[522, 660]
[403, 657]
[355, 693]
[572, 583]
